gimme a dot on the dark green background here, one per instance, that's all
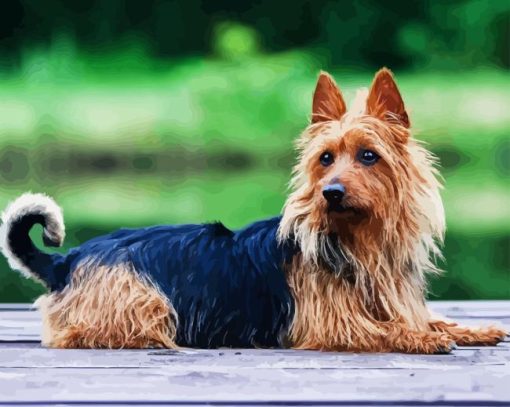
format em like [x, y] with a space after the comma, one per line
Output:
[133, 113]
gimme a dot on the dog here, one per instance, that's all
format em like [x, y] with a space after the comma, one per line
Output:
[342, 269]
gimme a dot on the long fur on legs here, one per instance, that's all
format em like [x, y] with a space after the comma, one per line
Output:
[108, 307]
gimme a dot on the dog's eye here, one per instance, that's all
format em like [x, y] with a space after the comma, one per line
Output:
[327, 159]
[367, 157]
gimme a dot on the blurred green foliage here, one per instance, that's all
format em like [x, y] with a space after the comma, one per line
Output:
[175, 113]
[455, 34]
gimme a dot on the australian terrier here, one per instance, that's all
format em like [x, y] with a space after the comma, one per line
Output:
[344, 267]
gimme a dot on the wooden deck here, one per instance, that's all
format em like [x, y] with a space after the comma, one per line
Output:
[31, 375]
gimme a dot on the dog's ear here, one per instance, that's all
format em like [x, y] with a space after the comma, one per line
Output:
[328, 103]
[384, 100]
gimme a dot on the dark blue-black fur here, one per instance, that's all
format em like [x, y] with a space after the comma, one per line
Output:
[227, 287]
[50, 268]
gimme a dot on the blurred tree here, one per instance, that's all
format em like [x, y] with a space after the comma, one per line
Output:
[457, 33]
[234, 41]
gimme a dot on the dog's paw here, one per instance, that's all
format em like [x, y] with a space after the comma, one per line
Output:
[503, 335]
[446, 348]
[490, 336]
[434, 343]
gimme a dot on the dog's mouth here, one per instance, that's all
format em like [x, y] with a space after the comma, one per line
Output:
[342, 209]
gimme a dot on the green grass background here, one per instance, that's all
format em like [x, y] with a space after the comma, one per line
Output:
[124, 140]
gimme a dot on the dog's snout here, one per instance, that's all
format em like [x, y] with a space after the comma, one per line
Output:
[334, 193]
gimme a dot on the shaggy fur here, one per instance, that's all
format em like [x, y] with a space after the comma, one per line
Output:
[108, 307]
[18, 218]
[315, 278]
[388, 244]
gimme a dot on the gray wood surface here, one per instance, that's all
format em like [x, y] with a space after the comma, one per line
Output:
[32, 375]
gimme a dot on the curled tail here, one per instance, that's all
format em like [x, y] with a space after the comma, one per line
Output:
[15, 243]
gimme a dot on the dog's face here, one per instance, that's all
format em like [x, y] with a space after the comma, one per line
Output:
[360, 174]
[356, 161]
[356, 172]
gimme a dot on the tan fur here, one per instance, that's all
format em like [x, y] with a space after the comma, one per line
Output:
[384, 100]
[389, 242]
[466, 336]
[334, 314]
[328, 103]
[108, 307]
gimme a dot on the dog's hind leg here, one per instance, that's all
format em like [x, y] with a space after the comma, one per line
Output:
[108, 307]
[465, 336]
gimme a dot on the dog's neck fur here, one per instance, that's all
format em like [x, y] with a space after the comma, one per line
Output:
[373, 279]
[400, 247]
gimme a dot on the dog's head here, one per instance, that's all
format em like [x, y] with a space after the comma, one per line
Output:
[361, 177]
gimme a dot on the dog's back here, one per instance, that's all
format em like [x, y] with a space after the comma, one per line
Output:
[226, 288]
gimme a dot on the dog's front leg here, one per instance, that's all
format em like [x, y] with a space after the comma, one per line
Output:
[466, 336]
[400, 338]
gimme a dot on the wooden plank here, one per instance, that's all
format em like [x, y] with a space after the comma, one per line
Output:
[472, 309]
[20, 325]
[5, 306]
[22, 357]
[242, 384]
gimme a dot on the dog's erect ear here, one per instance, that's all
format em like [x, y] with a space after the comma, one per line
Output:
[384, 100]
[328, 103]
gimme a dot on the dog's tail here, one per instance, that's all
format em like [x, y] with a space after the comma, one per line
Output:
[15, 243]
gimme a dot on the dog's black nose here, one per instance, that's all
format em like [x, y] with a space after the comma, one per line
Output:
[334, 193]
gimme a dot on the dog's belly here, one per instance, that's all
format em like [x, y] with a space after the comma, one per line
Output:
[227, 288]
